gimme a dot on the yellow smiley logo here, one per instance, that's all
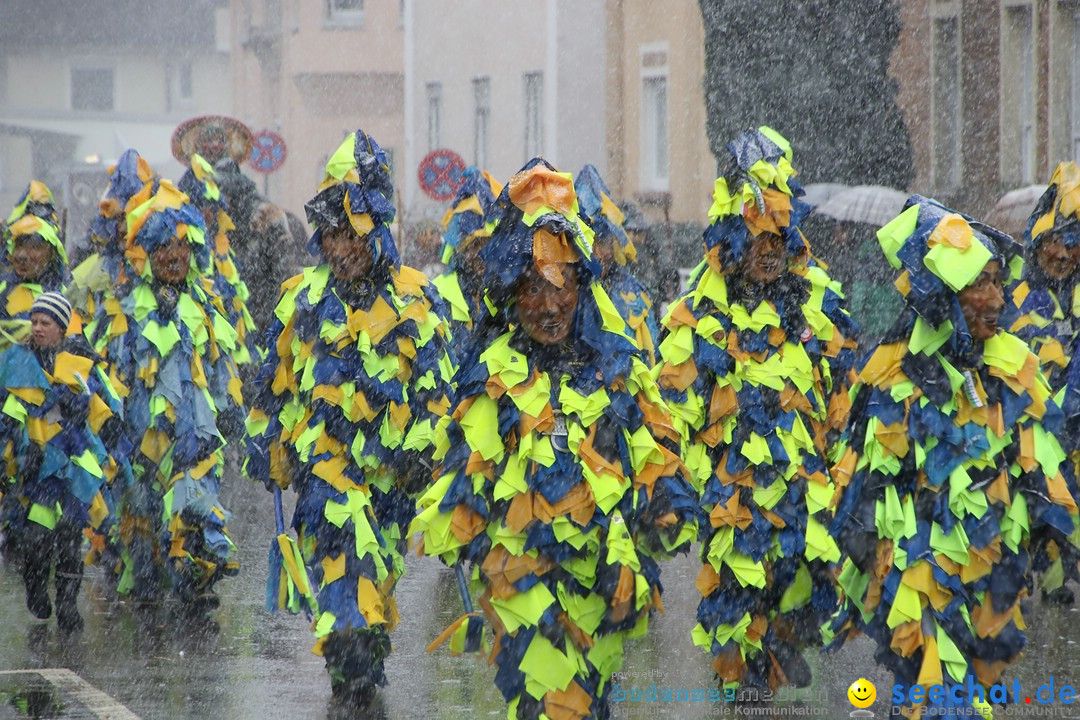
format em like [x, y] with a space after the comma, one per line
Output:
[862, 693]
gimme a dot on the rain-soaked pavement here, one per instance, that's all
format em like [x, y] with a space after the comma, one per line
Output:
[258, 665]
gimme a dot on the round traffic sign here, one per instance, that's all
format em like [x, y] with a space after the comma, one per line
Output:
[267, 151]
[442, 173]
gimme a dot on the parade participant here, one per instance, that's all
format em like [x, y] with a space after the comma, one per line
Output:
[104, 272]
[467, 226]
[224, 281]
[754, 364]
[1045, 312]
[615, 251]
[261, 241]
[950, 461]
[345, 409]
[37, 261]
[171, 351]
[560, 481]
[58, 405]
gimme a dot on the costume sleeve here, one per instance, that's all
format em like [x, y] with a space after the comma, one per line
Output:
[275, 404]
[666, 517]
[223, 378]
[428, 392]
[834, 333]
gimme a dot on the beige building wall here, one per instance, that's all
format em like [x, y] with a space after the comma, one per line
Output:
[313, 76]
[647, 40]
[460, 43]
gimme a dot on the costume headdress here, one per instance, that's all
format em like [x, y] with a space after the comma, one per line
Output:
[755, 193]
[356, 190]
[941, 252]
[127, 178]
[538, 225]
[36, 200]
[604, 216]
[469, 217]
[35, 215]
[1058, 210]
[154, 222]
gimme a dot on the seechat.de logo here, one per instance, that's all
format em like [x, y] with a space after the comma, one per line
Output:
[862, 694]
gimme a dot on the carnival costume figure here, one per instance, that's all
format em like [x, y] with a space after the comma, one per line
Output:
[105, 271]
[357, 374]
[1045, 312]
[64, 443]
[951, 462]
[225, 280]
[755, 365]
[467, 227]
[560, 481]
[171, 350]
[37, 261]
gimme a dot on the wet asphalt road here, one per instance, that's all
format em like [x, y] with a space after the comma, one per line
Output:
[258, 665]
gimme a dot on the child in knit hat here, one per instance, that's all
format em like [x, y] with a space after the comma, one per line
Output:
[63, 443]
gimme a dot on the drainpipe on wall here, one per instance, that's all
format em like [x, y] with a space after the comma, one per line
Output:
[551, 85]
[409, 160]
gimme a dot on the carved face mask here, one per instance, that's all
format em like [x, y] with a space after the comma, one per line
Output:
[546, 311]
[982, 302]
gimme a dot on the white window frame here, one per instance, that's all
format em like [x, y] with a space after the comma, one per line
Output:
[481, 121]
[941, 182]
[533, 86]
[434, 115]
[653, 176]
[1073, 16]
[337, 16]
[1019, 77]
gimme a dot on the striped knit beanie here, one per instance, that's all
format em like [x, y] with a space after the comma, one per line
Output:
[55, 306]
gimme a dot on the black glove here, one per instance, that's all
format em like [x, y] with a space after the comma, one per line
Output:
[417, 475]
[32, 457]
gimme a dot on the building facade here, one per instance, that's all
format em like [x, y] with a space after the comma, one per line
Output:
[500, 86]
[82, 82]
[314, 71]
[990, 91]
[657, 147]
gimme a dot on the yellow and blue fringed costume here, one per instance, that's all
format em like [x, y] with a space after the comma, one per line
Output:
[225, 280]
[951, 463]
[625, 290]
[171, 353]
[757, 376]
[62, 404]
[560, 480]
[346, 402]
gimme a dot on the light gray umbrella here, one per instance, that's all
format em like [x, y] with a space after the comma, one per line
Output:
[872, 204]
[1013, 209]
[817, 193]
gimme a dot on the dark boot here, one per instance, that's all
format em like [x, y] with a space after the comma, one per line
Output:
[355, 661]
[67, 605]
[37, 590]
[1062, 596]
[37, 563]
[69, 570]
